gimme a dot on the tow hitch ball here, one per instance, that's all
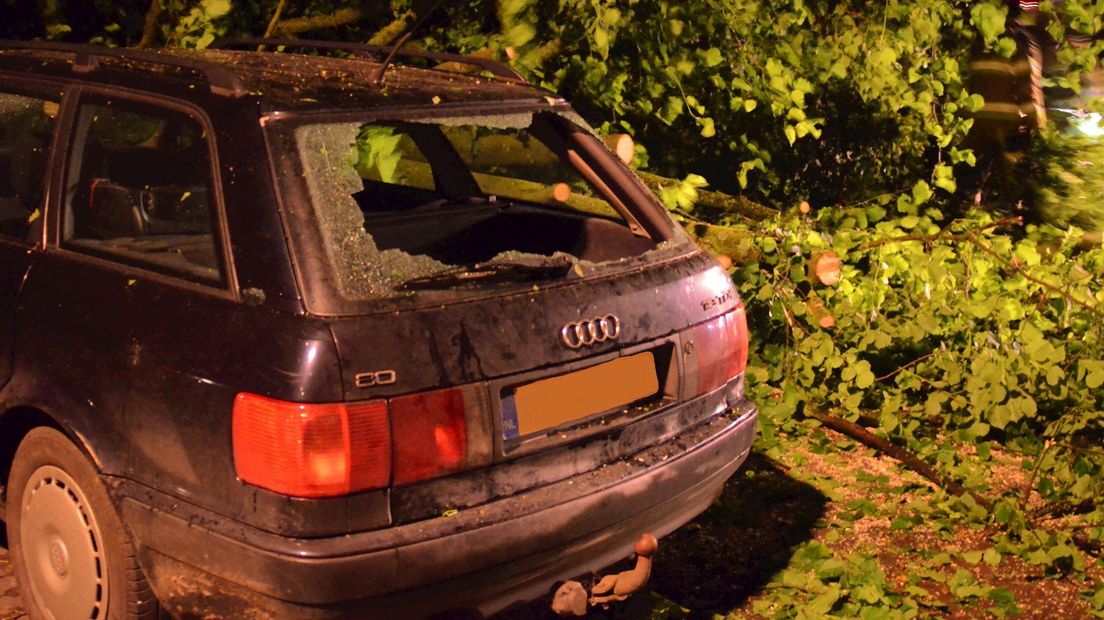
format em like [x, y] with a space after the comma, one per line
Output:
[572, 599]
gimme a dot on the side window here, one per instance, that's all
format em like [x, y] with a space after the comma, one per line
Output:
[26, 128]
[139, 190]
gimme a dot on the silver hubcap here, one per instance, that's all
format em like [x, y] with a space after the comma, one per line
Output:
[62, 547]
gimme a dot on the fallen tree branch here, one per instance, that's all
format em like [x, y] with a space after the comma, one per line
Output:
[149, 28]
[548, 51]
[1092, 547]
[1016, 267]
[1061, 510]
[340, 17]
[392, 31]
[714, 200]
[272, 23]
[913, 462]
[462, 67]
[905, 457]
[942, 234]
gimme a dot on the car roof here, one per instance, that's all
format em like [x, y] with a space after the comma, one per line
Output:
[280, 81]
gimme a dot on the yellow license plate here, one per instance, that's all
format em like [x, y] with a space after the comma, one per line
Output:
[558, 400]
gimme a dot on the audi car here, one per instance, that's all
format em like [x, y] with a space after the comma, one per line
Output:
[286, 335]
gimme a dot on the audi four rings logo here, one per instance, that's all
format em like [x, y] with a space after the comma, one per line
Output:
[590, 331]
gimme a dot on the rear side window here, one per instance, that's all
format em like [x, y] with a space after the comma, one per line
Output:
[139, 189]
[26, 128]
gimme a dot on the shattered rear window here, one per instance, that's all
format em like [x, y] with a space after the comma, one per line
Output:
[441, 202]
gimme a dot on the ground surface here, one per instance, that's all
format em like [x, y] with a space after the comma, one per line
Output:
[10, 605]
[824, 513]
[825, 516]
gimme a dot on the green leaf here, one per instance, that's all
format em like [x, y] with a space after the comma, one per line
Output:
[989, 18]
[992, 557]
[1097, 598]
[830, 569]
[921, 192]
[976, 431]
[823, 604]
[216, 8]
[1004, 598]
[1000, 417]
[711, 57]
[1003, 513]
[1027, 253]
[947, 184]
[864, 378]
[707, 128]
[672, 109]
[1094, 373]
[1054, 375]
[601, 41]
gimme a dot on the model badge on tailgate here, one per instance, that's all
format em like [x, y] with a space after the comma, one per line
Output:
[380, 377]
[717, 300]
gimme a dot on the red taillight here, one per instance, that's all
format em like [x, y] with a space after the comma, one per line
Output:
[721, 349]
[737, 324]
[430, 434]
[308, 450]
[711, 350]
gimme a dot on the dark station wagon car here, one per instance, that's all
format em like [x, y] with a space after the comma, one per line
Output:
[283, 339]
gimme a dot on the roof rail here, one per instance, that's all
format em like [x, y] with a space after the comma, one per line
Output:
[221, 80]
[495, 67]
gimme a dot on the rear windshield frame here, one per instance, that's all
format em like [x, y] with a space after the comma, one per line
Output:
[317, 278]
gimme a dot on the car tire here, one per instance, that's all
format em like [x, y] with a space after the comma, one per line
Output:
[70, 552]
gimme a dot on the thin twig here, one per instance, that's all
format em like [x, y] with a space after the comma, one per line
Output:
[942, 234]
[906, 366]
[1079, 449]
[1061, 510]
[1026, 495]
[1018, 268]
[1092, 547]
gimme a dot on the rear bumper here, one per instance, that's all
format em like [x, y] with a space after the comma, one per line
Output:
[481, 559]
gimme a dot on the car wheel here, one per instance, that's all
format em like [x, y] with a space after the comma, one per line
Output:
[70, 552]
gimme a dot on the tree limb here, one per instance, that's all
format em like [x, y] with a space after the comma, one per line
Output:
[1092, 547]
[272, 23]
[389, 33]
[548, 51]
[942, 234]
[913, 462]
[461, 67]
[340, 17]
[714, 200]
[149, 29]
[1016, 267]
[905, 457]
